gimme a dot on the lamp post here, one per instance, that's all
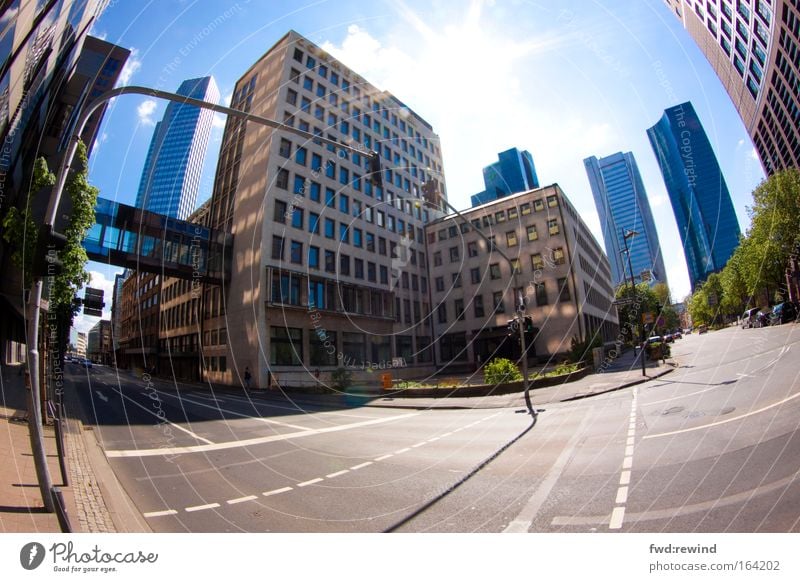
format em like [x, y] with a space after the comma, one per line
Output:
[626, 234]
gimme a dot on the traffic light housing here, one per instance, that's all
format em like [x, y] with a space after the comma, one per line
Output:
[93, 302]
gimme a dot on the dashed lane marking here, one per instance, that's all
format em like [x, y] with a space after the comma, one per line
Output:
[202, 507]
[241, 499]
[361, 466]
[276, 491]
[310, 482]
[337, 473]
[160, 513]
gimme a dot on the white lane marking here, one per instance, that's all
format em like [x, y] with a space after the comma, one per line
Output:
[233, 412]
[447, 434]
[250, 442]
[617, 516]
[162, 420]
[622, 495]
[719, 422]
[625, 478]
[160, 513]
[361, 466]
[401, 451]
[202, 507]
[276, 491]
[337, 473]
[627, 462]
[241, 499]
[629, 451]
[101, 396]
[522, 523]
[384, 457]
[310, 482]
[434, 439]
[419, 444]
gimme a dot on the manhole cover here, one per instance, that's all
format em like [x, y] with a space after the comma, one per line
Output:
[673, 410]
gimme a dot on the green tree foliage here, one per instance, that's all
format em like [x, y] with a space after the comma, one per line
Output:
[20, 229]
[501, 371]
[644, 300]
[83, 197]
[581, 351]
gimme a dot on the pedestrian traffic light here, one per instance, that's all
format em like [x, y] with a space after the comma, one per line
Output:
[375, 169]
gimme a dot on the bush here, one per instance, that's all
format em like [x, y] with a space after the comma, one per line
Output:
[501, 371]
[565, 368]
[580, 351]
[341, 378]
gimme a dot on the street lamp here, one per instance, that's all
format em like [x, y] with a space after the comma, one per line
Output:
[626, 234]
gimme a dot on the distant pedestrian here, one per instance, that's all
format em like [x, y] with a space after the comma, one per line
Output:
[247, 377]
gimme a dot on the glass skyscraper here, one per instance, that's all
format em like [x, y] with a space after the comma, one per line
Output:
[622, 204]
[174, 164]
[513, 172]
[700, 199]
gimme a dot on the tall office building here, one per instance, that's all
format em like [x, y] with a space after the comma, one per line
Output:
[329, 269]
[622, 204]
[700, 199]
[754, 47]
[513, 172]
[171, 176]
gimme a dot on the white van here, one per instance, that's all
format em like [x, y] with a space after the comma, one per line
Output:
[750, 318]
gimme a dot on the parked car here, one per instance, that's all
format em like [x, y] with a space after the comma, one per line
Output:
[783, 313]
[677, 334]
[702, 329]
[763, 318]
[87, 364]
[654, 339]
[750, 318]
[669, 338]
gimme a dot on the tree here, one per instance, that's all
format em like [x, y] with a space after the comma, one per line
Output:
[642, 300]
[735, 293]
[20, 229]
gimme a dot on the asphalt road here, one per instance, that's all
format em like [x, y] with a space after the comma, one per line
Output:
[712, 447]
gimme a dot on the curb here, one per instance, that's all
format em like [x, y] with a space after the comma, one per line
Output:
[622, 386]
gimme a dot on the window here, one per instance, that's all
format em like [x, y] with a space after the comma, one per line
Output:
[344, 233]
[296, 252]
[538, 205]
[354, 346]
[299, 185]
[357, 237]
[291, 97]
[541, 294]
[472, 249]
[277, 248]
[558, 256]
[512, 213]
[532, 234]
[330, 228]
[330, 261]
[313, 223]
[454, 254]
[322, 347]
[316, 162]
[552, 226]
[286, 346]
[297, 217]
[344, 203]
[537, 262]
[371, 272]
[456, 280]
[497, 302]
[313, 257]
[384, 275]
[282, 179]
[279, 215]
[494, 271]
[525, 208]
[308, 83]
[475, 275]
[359, 268]
[344, 265]
[330, 198]
[563, 287]
[439, 282]
[285, 149]
[382, 246]
[285, 288]
[459, 305]
[300, 155]
[477, 306]
[437, 259]
[552, 201]
[441, 311]
[500, 216]
[511, 238]
[370, 242]
[515, 266]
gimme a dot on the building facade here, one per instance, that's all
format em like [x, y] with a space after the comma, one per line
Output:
[174, 164]
[622, 204]
[561, 272]
[754, 47]
[329, 269]
[513, 172]
[140, 316]
[99, 347]
[700, 199]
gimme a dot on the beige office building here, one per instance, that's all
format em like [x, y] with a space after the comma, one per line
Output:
[328, 270]
[562, 274]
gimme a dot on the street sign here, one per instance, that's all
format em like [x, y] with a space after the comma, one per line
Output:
[647, 317]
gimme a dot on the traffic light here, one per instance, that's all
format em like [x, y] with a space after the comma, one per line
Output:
[47, 262]
[529, 324]
[93, 302]
[375, 169]
[512, 327]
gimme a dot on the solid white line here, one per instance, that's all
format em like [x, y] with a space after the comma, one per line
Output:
[719, 422]
[361, 466]
[276, 491]
[332, 475]
[311, 482]
[241, 499]
[447, 434]
[434, 439]
[401, 451]
[629, 451]
[202, 507]
[234, 413]
[631, 440]
[419, 444]
[616, 518]
[250, 442]
[160, 513]
[625, 478]
[622, 495]
[384, 457]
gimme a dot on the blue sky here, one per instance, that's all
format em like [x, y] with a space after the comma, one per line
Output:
[564, 80]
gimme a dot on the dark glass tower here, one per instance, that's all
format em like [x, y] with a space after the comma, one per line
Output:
[622, 204]
[513, 172]
[700, 199]
[174, 164]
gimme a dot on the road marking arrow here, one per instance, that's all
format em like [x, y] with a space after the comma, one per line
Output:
[101, 396]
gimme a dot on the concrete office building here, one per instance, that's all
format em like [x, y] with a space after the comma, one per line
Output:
[697, 190]
[513, 172]
[98, 343]
[174, 164]
[328, 270]
[621, 202]
[561, 271]
[754, 47]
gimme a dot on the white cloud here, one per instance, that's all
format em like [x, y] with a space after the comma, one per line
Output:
[218, 122]
[145, 111]
[99, 142]
[132, 65]
[226, 100]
